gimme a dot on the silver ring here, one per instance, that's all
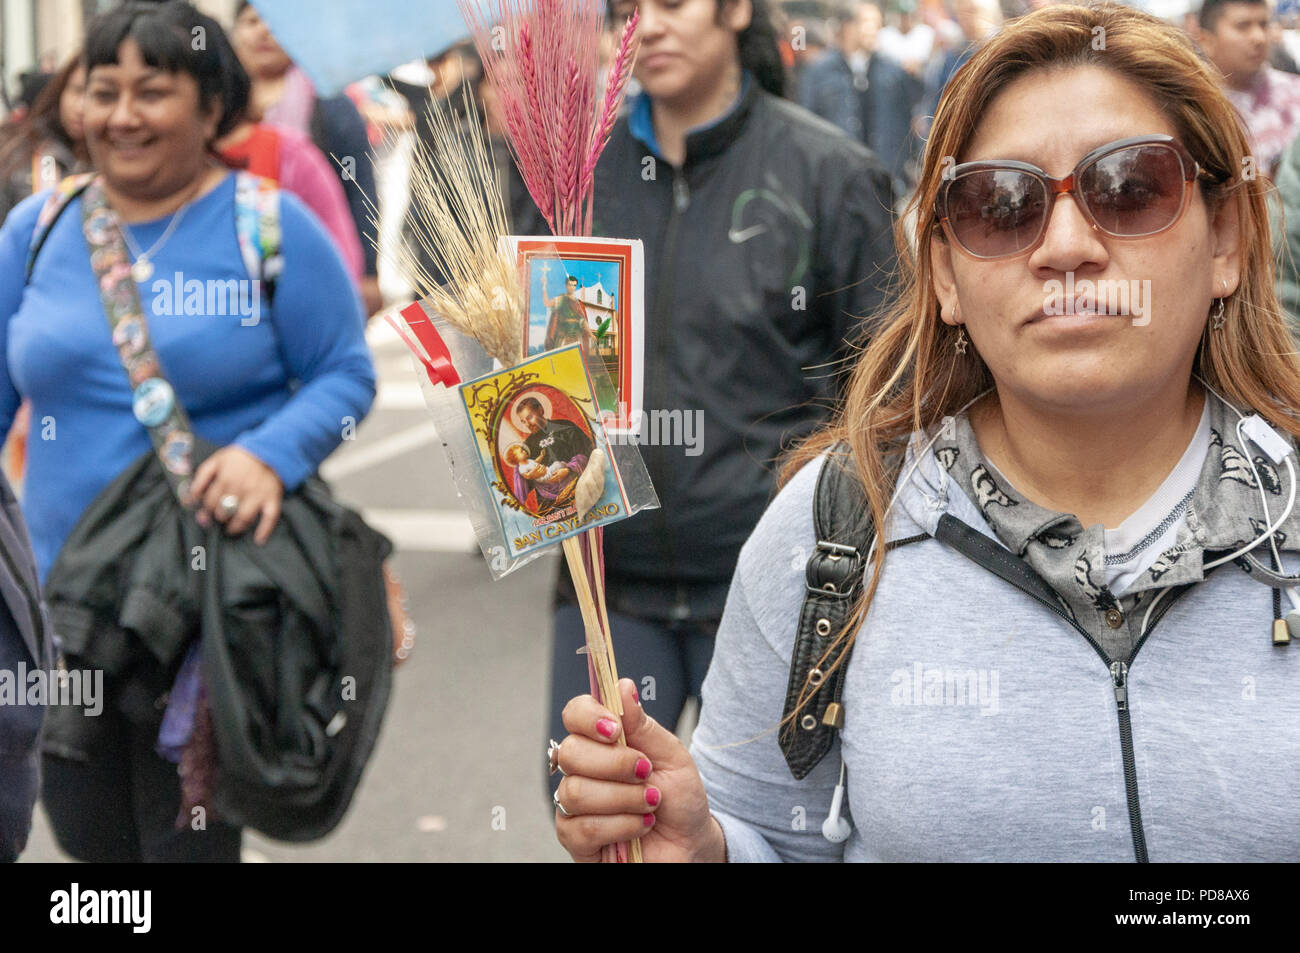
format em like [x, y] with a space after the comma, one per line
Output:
[229, 504]
[553, 759]
[555, 799]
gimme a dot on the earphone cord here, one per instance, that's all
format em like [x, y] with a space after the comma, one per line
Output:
[1270, 527]
[1274, 555]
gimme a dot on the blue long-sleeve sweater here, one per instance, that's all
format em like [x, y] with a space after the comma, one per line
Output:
[283, 383]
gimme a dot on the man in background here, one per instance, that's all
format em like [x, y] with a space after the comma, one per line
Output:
[909, 42]
[867, 94]
[1234, 35]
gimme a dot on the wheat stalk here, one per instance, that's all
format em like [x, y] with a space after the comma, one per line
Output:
[457, 216]
[620, 72]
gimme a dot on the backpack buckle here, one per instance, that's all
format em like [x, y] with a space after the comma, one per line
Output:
[832, 569]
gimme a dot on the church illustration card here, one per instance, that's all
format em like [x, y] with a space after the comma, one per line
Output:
[590, 292]
[543, 450]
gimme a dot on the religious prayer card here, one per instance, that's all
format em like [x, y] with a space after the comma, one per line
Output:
[542, 449]
[590, 292]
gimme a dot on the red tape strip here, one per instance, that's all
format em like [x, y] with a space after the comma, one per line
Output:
[438, 364]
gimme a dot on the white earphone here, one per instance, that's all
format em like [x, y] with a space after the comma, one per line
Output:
[835, 828]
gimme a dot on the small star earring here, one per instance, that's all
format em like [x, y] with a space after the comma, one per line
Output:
[960, 346]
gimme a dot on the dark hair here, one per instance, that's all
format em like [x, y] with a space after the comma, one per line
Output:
[42, 123]
[760, 53]
[167, 34]
[1212, 11]
[30, 86]
[573, 279]
[533, 404]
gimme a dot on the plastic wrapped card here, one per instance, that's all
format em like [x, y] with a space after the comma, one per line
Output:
[591, 292]
[526, 447]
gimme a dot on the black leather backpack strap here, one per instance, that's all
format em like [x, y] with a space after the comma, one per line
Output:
[834, 577]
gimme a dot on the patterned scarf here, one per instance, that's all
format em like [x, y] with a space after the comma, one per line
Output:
[1224, 513]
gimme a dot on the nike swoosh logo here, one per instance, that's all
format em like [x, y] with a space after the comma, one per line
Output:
[744, 235]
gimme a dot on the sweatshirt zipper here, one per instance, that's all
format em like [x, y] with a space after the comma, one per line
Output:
[1119, 678]
[1119, 675]
[659, 364]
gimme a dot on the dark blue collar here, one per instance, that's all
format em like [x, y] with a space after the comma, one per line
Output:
[641, 124]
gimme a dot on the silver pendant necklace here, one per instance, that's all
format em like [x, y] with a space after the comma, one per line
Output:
[142, 268]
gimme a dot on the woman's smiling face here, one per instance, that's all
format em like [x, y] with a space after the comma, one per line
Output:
[1074, 362]
[145, 128]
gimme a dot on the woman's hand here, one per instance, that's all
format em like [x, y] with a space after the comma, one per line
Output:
[232, 471]
[651, 789]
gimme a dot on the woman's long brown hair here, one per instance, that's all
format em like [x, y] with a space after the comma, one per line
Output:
[42, 123]
[909, 376]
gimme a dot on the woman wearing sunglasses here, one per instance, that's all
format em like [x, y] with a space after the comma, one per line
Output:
[1072, 641]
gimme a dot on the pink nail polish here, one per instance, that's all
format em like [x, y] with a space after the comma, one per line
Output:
[647, 819]
[643, 769]
[607, 727]
[652, 796]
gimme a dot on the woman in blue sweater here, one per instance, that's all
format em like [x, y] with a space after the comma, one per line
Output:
[274, 386]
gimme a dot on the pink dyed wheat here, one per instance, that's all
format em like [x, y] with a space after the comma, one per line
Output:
[543, 57]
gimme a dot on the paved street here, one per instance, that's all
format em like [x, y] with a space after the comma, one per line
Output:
[463, 745]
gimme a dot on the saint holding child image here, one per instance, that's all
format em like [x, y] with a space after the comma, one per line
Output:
[552, 455]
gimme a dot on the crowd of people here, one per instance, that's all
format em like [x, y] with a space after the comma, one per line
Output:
[1050, 483]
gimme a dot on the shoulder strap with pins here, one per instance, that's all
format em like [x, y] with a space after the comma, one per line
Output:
[58, 200]
[833, 579]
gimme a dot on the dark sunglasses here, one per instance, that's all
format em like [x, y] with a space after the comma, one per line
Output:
[1131, 188]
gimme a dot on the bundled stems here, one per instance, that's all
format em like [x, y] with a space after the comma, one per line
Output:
[600, 648]
[543, 57]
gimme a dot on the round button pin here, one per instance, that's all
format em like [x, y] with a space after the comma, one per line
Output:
[153, 402]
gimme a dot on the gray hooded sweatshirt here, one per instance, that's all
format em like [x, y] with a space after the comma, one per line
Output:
[993, 710]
